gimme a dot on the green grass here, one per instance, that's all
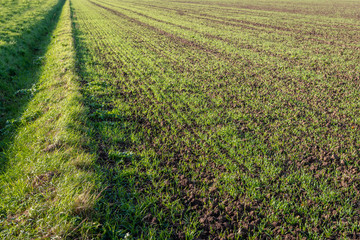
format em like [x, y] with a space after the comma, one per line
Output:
[24, 27]
[223, 119]
[46, 189]
[180, 120]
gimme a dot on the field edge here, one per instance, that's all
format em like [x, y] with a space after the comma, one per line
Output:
[49, 191]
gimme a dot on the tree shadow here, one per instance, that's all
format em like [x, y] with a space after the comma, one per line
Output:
[20, 68]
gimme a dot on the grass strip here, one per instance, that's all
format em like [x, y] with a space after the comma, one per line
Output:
[24, 38]
[48, 190]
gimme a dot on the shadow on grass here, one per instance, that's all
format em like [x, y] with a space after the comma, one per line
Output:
[20, 69]
[120, 209]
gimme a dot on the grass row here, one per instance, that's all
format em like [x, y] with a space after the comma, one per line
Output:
[47, 190]
[23, 26]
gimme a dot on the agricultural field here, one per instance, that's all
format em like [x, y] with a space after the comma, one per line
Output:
[201, 119]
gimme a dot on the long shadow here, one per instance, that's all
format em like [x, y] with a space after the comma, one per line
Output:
[20, 69]
[110, 132]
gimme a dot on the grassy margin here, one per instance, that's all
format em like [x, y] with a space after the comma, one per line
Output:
[49, 189]
[22, 57]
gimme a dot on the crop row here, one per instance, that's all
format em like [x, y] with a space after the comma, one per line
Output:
[210, 126]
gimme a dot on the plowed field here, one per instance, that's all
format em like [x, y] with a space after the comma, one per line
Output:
[224, 119]
[179, 119]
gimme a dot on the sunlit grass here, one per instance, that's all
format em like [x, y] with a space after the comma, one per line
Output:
[46, 189]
